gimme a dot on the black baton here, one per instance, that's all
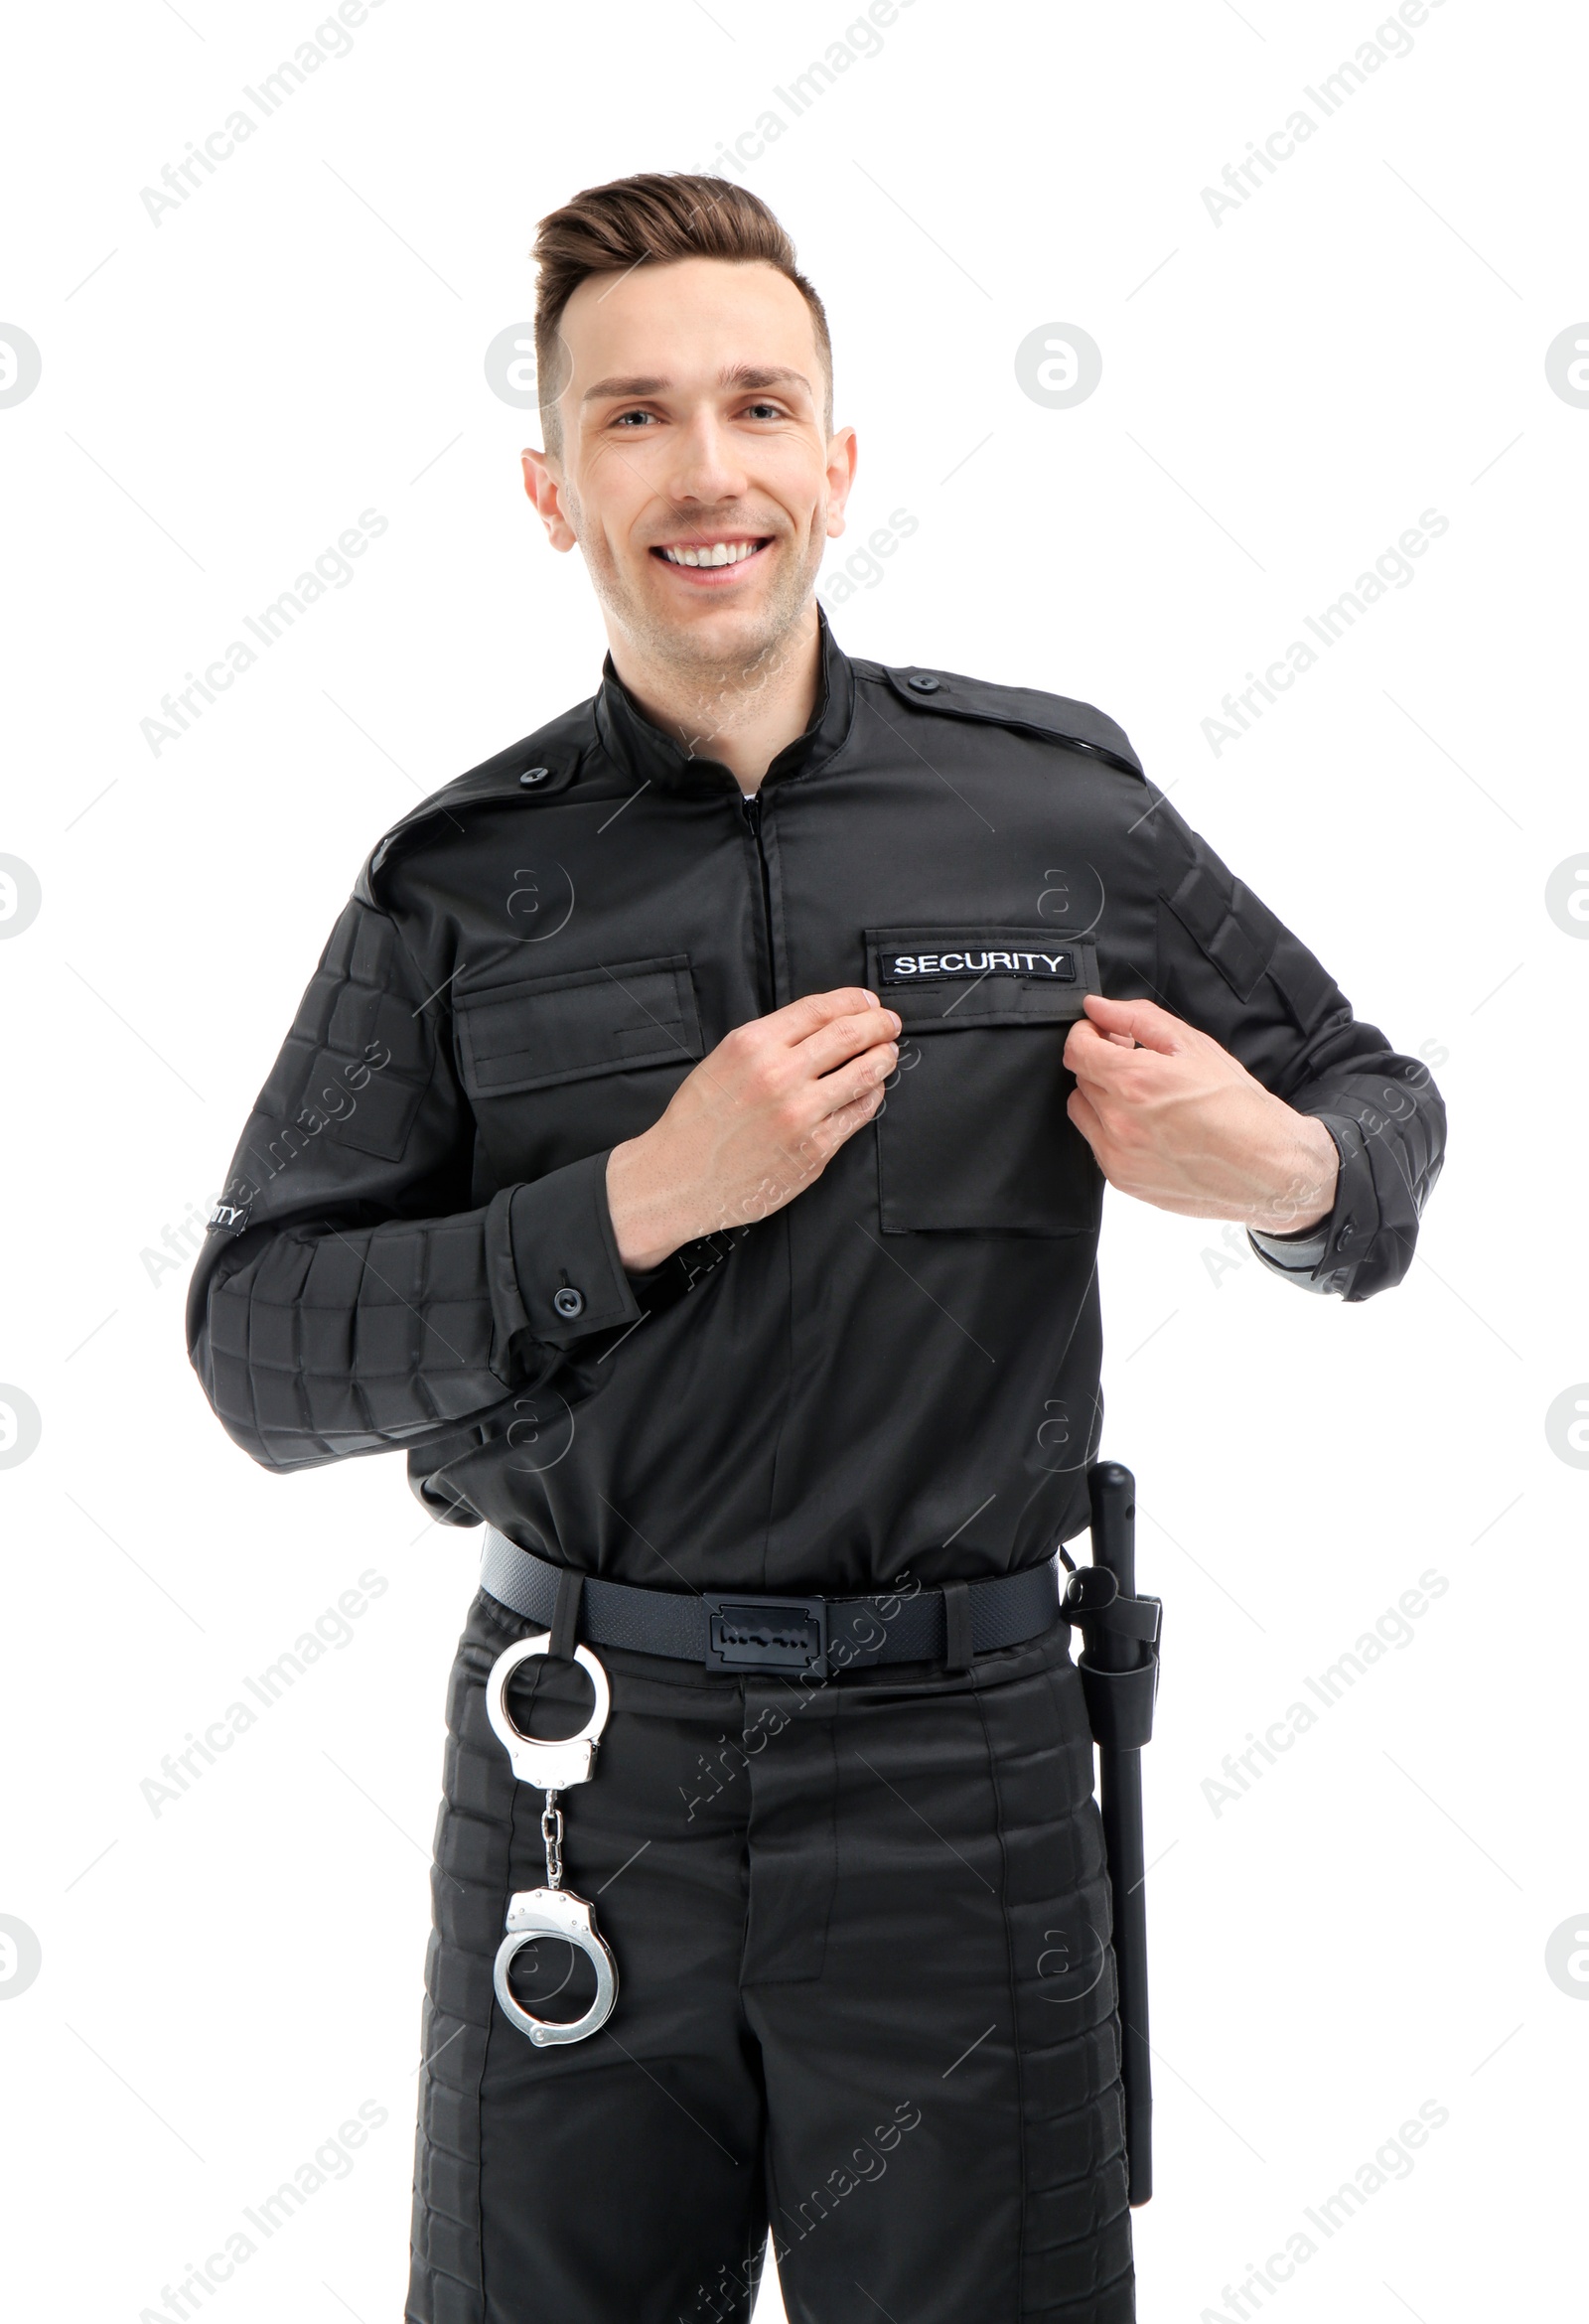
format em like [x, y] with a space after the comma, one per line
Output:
[1119, 1667]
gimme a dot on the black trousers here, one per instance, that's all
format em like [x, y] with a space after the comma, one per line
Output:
[866, 1997]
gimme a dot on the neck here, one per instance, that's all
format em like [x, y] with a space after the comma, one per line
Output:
[740, 713]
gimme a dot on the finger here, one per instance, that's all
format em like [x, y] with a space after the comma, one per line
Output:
[1141, 1020]
[816, 1146]
[797, 1020]
[1093, 1055]
[842, 1038]
[833, 1091]
[831, 1133]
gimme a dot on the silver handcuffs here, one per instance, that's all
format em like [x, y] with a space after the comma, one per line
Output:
[552, 1911]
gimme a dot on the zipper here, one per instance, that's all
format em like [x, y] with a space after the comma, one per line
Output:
[751, 802]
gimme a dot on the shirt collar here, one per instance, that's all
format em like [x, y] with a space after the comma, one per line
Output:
[645, 752]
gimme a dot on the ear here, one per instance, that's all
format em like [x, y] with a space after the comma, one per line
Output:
[842, 458]
[543, 483]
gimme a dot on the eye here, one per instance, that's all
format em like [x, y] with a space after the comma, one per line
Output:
[765, 411]
[620, 419]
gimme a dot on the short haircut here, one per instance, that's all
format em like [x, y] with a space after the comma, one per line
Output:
[608, 229]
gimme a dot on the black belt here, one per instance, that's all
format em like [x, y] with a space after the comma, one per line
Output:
[734, 1630]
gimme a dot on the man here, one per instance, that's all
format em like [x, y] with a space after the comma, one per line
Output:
[691, 1150]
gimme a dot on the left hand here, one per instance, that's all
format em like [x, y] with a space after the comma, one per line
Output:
[1177, 1121]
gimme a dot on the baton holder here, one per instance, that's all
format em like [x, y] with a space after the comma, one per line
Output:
[1119, 1672]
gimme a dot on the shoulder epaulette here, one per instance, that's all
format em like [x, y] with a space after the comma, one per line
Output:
[953, 695]
[541, 765]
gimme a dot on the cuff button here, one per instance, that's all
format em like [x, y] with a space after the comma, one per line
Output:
[569, 1302]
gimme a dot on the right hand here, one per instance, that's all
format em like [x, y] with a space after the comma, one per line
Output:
[756, 1122]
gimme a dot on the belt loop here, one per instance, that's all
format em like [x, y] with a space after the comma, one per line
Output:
[565, 1615]
[957, 1649]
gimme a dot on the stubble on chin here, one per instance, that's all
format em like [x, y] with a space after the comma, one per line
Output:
[718, 685]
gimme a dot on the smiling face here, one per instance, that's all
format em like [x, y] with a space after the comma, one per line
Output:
[696, 473]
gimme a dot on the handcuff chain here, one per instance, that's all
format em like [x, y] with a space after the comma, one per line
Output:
[551, 1832]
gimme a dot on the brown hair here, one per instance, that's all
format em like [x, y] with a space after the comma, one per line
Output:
[608, 229]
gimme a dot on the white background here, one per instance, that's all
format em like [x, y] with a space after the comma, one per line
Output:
[1283, 393]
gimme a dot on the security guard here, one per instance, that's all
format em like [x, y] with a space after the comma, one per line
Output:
[690, 1149]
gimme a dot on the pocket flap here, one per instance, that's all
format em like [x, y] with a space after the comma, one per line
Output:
[542, 1030]
[943, 980]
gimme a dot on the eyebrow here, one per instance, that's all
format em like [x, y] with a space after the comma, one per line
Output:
[731, 375]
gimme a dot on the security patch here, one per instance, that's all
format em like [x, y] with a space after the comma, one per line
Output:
[1057, 967]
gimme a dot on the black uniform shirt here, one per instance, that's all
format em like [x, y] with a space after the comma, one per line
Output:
[897, 1372]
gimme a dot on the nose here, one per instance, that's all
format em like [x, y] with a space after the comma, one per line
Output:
[707, 466]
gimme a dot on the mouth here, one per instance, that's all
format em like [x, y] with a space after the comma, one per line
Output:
[712, 564]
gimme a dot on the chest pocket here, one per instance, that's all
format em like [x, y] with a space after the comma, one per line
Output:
[560, 1067]
[973, 1135]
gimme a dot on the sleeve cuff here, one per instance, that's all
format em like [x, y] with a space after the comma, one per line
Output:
[1323, 1257]
[1294, 1253]
[555, 1270]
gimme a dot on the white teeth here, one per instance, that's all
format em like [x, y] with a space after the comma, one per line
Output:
[721, 552]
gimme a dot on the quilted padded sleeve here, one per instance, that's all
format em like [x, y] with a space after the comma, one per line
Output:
[1228, 964]
[345, 1300]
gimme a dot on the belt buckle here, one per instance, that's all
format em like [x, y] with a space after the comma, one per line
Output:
[745, 1633]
